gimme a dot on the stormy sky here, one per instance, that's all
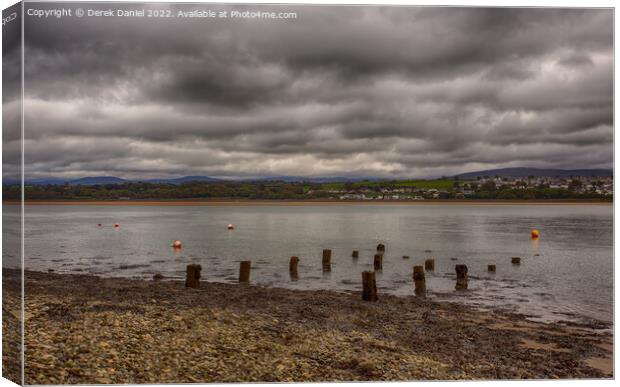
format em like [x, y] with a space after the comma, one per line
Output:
[339, 91]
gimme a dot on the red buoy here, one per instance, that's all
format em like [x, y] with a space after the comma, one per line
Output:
[231, 227]
[177, 244]
[535, 234]
[117, 225]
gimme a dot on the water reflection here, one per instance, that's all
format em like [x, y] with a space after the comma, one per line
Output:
[65, 238]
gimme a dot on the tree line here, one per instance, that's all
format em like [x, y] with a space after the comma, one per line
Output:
[274, 191]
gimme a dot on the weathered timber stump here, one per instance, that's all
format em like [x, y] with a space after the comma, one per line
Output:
[378, 262]
[192, 279]
[429, 265]
[491, 268]
[355, 254]
[461, 277]
[516, 260]
[327, 260]
[292, 268]
[369, 282]
[244, 271]
[381, 248]
[419, 280]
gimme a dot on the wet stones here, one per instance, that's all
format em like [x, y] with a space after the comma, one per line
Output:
[158, 277]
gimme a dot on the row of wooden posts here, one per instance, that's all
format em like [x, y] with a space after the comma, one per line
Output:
[369, 282]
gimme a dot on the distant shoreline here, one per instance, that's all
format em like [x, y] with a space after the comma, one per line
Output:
[275, 203]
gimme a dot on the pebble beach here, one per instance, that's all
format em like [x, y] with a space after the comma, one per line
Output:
[83, 329]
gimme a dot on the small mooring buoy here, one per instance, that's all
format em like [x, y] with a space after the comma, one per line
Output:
[177, 244]
[535, 234]
[117, 225]
[99, 225]
[230, 226]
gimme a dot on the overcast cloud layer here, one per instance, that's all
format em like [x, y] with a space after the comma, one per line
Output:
[340, 91]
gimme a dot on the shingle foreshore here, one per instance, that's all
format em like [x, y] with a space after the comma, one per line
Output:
[85, 329]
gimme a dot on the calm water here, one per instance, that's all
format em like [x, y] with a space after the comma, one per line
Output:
[573, 274]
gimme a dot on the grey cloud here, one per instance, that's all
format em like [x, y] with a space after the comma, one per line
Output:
[374, 91]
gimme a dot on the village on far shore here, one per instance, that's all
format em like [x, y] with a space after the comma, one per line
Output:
[484, 187]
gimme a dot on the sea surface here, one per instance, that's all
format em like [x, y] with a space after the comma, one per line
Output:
[566, 274]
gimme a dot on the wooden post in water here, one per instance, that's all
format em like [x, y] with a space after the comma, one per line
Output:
[491, 268]
[378, 263]
[461, 277]
[244, 271]
[405, 257]
[327, 260]
[516, 260]
[369, 283]
[192, 279]
[355, 254]
[381, 248]
[419, 280]
[292, 268]
[429, 265]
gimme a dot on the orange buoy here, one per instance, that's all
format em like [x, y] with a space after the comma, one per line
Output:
[231, 227]
[177, 244]
[117, 225]
[535, 234]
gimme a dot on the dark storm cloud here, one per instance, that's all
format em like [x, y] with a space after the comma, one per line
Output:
[371, 91]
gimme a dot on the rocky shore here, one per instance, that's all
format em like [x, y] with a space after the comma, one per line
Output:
[84, 329]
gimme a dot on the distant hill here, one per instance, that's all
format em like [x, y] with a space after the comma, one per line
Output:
[181, 180]
[97, 180]
[94, 180]
[504, 172]
[536, 172]
[91, 180]
[319, 179]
